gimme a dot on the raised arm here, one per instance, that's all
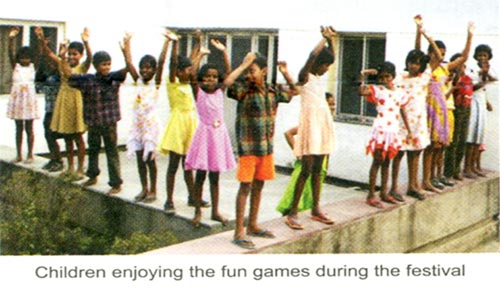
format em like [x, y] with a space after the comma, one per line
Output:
[328, 34]
[221, 47]
[465, 53]
[197, 44]
[169, 36]
[127, 55]
[418, 36]
[364, 90]
[12, 35]
[247, 61]
[44, 48]
[173, 61]
[85, 39]
[283, 68]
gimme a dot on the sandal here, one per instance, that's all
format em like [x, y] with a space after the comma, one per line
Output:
[264, 233]
[322, 218]
[375, 203]
[244, 243]
[389, 199]
[397, 196]
[149, 198]
[293, 223]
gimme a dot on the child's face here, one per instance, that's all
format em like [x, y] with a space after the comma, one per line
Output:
[210, 79]
[74, 57]
[104, 68]
[24, 61]
[147, 71]
[413, 68]
[184, 74]
[482, 57]
[385, 77]
[255, 76]
[331, 104]
[320, 69]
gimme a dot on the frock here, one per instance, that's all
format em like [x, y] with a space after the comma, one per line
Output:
[416, 89]
[478, 113]
[437, 111]
[315, 134]
[145, 130]
[22, 104]
[210, 148]
[182, 121]
[68, 110]
[385, 130]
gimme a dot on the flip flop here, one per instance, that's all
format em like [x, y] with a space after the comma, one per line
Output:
[264, 233]
[323, 219]
[293, 223]
[375, 203]
[389, 199]
[244, 243]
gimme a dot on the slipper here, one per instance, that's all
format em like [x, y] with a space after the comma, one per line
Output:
[264, 233]
[149, 198]
[244, 243]
[322, 218]
[375, 203]
[416, 194]
[397, 196]
[389, 199]
[293, 223]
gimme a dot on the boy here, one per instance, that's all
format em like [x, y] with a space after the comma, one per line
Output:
[101, 113]
[256, 113]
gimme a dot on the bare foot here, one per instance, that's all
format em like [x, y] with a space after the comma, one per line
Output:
[219, 218]
[430, 187]
[196, 220]
[16, 160]
[141, 196]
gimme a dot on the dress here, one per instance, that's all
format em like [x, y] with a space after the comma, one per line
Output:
[210, 148]
[182, 121]
[385, 130]
[416, 89]
[68, 110]
[22, 104]
[145, 131]
[478, 112]
[437, 111]
[315, 134]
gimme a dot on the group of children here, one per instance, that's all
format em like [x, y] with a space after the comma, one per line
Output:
[415, 113]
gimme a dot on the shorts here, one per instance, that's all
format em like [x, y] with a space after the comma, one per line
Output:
[255, 167]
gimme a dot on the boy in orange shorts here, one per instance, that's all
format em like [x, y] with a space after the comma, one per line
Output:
[256, 113]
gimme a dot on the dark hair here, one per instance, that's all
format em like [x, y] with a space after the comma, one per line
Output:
[78, 46]
[455, 56]
[24, 52]
[419, 57]
[260, 60]
[387, 67]
[183, 62]
[148, 59]
[328, 95]
[99, 57]
[483, 48]
[325, 56]
[439, 44]
[204, 70]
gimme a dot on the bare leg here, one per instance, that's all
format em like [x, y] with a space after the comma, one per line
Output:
[142, 169]
[30, 138]
[152, 179]
[214, 194]
[68, 139]
[173, 164]
[396, 163]
[241, 200]
[197, 195]
[255, 197]
[80, 146]
[19, 141]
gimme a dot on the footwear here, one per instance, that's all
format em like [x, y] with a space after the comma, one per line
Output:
[192, 203]
[389, 199]
[480, 173]
[48, 165]
[264, 233]
[416, 194]
[323, 219]
[56, 166]
[470, 175]
[436, 183]
[28, 161]
[16, 160]
[169, 208]
[139, 197]
[244, 243]
[90, 182]
[375, 203]
[149, 198]
[114, 190]
[397, 196]
[458, 177]
[293, 223]
[446, 181]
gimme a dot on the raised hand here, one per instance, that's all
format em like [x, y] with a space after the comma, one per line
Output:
[125, 43]
[171, 35]
[418, 20]
[471, 28]
[218, 45]
[283, 67]
[249, 58]
[328, 32]
[85, 34]
[39, 33]
[14, 32]
[204, 51]
[63, 48]
[369, 72]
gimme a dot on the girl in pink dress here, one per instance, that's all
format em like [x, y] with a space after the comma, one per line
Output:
[210, 148]
[385, 141]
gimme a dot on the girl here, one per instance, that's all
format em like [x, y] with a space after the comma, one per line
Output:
[315, 133]
[22, 106]
[385, 141]
[144, 133]
[181, 124]
[68, 111]
[439, 110]
[482, 80]
[210, 149]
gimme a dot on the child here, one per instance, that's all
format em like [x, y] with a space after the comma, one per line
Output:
[101, 113]
[482, 79]
[439, 112]
[210, 148]
[462, 94]
[256, 112]
[22, 106]
[385, 141]
[68, 111]
[315, 133]
[181, 125]
[144, 133]
[306, 201]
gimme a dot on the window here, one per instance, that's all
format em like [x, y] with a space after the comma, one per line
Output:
[238, 42]
[357, 52]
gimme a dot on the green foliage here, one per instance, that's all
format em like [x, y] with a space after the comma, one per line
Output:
[139, 242]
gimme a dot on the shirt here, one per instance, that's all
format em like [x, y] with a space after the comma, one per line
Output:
[50, 87]
[100, 96]
[463, 93]
[255, 119]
